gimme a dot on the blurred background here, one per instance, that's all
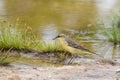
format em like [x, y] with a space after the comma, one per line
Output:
[51, 17]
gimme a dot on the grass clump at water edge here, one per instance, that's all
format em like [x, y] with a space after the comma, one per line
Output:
[49, 47]
[13, 37]
[4, 58]
[113, 34]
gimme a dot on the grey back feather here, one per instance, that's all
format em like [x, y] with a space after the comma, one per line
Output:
[75, 45]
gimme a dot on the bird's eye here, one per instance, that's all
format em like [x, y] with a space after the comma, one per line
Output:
[58, 35]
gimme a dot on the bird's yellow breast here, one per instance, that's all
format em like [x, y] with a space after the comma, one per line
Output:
[68, 48]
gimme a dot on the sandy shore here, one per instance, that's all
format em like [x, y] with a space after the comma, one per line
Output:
[83, 71]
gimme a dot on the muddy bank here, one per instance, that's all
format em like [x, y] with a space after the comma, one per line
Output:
[53, 58]
[83, 71]
[59, 57]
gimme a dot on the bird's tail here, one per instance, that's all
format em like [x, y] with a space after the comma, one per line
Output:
[96, 54]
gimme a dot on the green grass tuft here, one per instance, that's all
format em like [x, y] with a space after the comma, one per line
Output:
[49, 47]
[4, 58]
[13, 37]
[113, 34]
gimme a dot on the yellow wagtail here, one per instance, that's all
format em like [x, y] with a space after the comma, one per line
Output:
[72, 47]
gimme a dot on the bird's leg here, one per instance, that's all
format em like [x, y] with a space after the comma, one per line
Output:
[72, 59]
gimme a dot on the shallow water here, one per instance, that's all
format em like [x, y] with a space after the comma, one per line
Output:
[53, 17]
[48, 18]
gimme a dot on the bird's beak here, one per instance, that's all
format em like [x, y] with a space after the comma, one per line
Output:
[55, 38]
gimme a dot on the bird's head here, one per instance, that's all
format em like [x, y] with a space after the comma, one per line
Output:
[59, 36]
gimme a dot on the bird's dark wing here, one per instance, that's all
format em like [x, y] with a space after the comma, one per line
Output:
[75, 45]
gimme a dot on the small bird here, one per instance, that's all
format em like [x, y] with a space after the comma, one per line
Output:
[71, 46]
